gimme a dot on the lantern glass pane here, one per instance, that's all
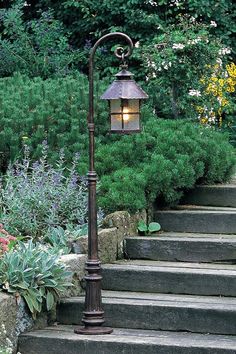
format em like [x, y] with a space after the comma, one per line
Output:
[116, 122]
[115, 106]
[132, 123]
[133, 106]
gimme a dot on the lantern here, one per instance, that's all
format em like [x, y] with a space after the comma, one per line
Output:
[124, 96]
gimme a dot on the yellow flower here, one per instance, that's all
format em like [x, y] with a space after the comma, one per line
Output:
[231, 68]
[204, 120]
[221, 82]
[199, 109]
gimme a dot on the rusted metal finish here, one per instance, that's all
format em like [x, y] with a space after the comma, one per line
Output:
[124, 87]
[93, 318]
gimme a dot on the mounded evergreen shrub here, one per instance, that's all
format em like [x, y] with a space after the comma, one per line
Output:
[168, 157]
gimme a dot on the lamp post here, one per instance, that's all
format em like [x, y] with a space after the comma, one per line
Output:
[124, 96]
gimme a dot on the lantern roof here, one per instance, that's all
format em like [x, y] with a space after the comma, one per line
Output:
[124, 88]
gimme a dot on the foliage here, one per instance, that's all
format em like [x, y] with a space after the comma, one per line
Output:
[32, 110]
[90, 19]
[59, 238]
[56, 110]
[35, 274]
[146, 229]
[37, 48]
[169, 156]
[178, 62]
[36, 198]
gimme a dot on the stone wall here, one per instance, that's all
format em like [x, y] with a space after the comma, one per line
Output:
[111, 236]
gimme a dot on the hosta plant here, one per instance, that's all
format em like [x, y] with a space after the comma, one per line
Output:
[34, 273]
[147, 229]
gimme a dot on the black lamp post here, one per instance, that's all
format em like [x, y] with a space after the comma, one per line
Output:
[124, 96]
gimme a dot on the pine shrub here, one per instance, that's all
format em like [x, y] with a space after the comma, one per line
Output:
[168, 157]
[34, 110]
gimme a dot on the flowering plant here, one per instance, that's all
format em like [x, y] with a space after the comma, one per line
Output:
[6, 240]
[36, 197]
[180, 57]
[217, 93]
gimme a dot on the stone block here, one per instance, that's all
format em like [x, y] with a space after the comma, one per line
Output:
[75, 264]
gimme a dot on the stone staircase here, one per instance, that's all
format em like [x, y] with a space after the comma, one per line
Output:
[175, 293]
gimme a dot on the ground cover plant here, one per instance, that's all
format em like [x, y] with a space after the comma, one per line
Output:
[34, 273]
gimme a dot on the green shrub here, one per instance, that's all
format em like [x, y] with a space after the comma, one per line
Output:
[33, 110]
[165, 159]
[34, 273]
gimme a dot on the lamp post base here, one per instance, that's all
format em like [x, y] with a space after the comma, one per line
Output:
[93, 330]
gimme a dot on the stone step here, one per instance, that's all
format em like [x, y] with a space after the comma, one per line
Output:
[62, 339]
[174, 278]
[151, 311]
[207, 220]
[216, 195]
[182, 247]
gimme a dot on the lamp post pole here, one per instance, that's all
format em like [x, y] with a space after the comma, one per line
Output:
[93, 318]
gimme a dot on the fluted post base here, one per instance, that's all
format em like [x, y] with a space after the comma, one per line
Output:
[93, 315]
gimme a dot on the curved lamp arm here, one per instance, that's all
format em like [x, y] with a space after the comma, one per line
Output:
[119, 53]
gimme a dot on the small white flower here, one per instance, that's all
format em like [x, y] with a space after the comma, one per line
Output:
[194, 41]
[151, 2]
[175, 2]
[224, 51]
[137, 44]
[226, 74]
[213, 24]
[178, 46]
[219, 61]
[211, 119]
[196, 93]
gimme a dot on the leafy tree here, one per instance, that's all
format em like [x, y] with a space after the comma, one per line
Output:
[38, 47]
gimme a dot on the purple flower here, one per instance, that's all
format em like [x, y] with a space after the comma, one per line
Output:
[88, 44]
